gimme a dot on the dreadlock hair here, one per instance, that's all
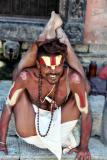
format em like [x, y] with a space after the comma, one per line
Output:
[53, 46]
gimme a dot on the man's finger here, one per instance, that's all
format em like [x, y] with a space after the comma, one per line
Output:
[88, 157]
[77, 157]
[73, 150]
[82, 158]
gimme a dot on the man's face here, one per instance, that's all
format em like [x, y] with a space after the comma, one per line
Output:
[51, 67]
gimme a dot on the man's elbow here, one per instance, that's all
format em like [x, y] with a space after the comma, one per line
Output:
[87, 116]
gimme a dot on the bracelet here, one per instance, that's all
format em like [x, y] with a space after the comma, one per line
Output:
[2, 143]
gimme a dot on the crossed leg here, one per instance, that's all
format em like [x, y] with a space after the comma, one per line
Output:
[25, 115]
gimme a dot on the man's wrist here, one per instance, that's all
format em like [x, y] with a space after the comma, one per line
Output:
[83, 146]
[3, 139]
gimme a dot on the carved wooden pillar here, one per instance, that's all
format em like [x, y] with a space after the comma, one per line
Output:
[74, 26]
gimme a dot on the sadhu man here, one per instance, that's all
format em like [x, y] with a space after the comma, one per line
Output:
[53, 97]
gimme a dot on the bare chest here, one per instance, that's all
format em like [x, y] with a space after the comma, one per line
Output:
[57, 93]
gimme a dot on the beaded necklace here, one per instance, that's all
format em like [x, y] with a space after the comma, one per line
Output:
[53, 105]
[42, 101]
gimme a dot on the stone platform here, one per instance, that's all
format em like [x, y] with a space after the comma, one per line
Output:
[19, 150]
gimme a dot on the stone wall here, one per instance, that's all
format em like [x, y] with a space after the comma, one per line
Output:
[28, 29]
[25, 31]
[96, 22]
[85, 52]
[95, 52]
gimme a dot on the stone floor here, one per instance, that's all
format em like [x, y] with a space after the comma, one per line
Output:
[19, 150]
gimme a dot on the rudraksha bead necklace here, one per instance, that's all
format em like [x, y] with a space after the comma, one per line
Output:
[53, 104]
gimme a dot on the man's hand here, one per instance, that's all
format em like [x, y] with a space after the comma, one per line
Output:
[82, 153]
[3, 147]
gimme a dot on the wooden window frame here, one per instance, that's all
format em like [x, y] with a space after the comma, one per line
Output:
[63, 4]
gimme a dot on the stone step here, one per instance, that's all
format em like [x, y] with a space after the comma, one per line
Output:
[13, 149]
[95, 52]
[100, 59]
[97, 106]
[4, 89]
[19, 150]
[11, 128]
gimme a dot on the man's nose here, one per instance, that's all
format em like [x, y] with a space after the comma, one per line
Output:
[53, 67]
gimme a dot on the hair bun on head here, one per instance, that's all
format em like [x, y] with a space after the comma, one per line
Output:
[54, 45]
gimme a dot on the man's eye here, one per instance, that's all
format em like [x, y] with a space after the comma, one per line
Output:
[43, 65]
[49, 67]
[60, 65]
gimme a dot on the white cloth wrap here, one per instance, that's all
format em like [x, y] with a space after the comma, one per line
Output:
[59, 135]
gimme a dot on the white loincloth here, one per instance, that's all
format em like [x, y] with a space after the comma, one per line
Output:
[59, 135]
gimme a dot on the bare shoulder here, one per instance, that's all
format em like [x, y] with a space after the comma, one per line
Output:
[74, 77]
[29, 74]
[76, 82]
[26, 74]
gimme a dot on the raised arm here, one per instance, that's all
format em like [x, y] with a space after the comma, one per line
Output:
[49, 32]
[14, 93]
[80, 95]
[28, 60]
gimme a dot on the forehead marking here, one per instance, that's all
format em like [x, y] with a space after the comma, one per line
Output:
[41, 61]
[51, 61]
[58, 59]
[46, 60]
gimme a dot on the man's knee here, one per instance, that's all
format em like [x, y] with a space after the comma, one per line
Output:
[23, 101]
[69, 112]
